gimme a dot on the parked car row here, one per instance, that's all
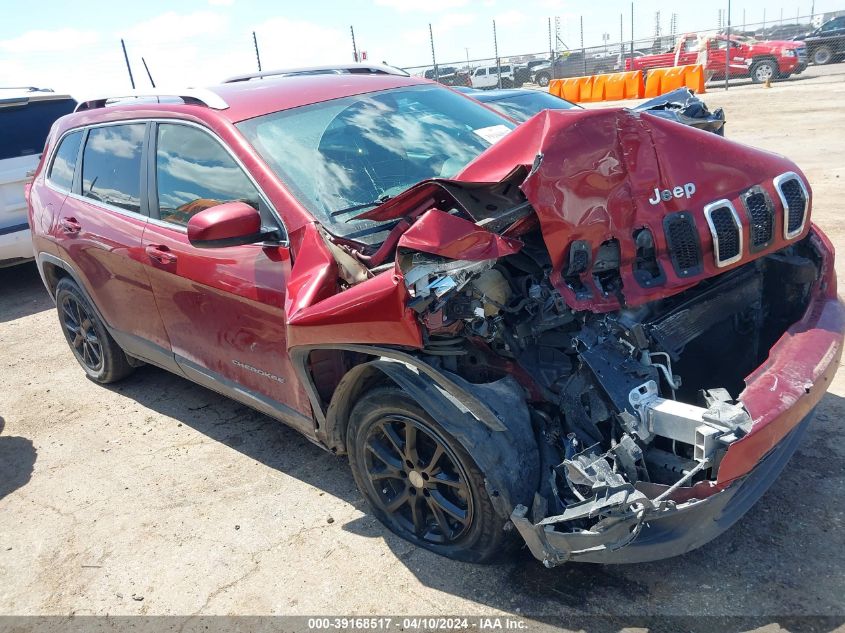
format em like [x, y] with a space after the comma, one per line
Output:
[776, 53]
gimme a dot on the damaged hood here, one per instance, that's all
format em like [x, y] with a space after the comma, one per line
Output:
[596, 178]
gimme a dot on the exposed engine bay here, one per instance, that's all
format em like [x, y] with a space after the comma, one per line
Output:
[624, 399]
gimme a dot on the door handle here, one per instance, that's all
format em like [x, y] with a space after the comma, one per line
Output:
[160, 253]
[70, 226]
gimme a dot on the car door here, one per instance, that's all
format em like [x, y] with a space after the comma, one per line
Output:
[98, 234]
[223, 308]
[479, 78]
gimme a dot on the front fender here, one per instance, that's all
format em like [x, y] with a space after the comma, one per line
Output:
[501, 443]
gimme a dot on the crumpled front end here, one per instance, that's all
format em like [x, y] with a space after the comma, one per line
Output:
[654, 293]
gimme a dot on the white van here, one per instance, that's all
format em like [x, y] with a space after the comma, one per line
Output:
[26, 115]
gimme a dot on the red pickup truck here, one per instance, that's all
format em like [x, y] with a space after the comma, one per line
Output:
[761, 60]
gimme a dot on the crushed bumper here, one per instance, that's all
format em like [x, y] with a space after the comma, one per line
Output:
[665, 533]
[651, 523]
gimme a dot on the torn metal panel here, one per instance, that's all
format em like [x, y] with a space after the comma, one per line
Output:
[683, 106]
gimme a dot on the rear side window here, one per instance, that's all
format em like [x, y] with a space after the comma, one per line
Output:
[111, 165]
[64, 164]
[24, 129]
[194, 172]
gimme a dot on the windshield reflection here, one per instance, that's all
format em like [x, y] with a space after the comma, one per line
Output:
[341, 155]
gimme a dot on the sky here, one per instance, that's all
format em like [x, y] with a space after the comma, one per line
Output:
[74, 47]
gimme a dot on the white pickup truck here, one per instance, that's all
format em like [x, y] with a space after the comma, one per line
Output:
[26, 115]
[488, 77]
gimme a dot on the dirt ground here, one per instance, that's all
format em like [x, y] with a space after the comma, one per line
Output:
[156, 496]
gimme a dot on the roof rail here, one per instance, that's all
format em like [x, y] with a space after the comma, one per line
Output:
[195, 96]
[329, 69]
[26, 88]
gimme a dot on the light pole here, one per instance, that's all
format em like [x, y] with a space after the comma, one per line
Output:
[467, 52]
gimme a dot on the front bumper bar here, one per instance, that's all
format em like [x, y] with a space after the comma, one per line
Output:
[666, 533]
[780, 397]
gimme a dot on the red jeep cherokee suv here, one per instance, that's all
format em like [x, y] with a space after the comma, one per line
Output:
[600, 331]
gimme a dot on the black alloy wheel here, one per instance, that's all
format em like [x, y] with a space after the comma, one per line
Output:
[420, 481]
[79, 329]
[417, 480]
[91, 343]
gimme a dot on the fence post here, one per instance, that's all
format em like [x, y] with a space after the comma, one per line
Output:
[621, 46]
[433, 58]
[632, 36]
[128, 67]
[498, 61]
[257, 54]
[728, 48]
[583, 50]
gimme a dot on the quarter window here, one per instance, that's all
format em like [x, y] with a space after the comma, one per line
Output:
[194, 172]
[64, 164]
[111, 165]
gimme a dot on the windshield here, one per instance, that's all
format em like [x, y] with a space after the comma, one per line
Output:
[342, 156]
[522, 107]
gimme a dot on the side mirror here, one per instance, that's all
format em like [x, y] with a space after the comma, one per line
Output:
[228, 224]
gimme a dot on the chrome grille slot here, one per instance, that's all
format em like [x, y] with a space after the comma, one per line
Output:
[793, 194]
[761, 218]
[726, 230]
[682, 241]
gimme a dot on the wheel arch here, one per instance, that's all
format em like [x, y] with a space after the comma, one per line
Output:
[766, 57]
[491, 421]
[52, 270]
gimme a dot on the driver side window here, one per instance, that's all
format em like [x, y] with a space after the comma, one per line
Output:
[834, 25]
[194, 172]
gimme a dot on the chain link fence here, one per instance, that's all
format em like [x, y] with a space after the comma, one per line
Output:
[772, 49]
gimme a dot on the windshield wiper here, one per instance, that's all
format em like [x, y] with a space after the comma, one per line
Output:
[358, 207]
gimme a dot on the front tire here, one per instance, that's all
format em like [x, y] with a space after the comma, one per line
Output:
[764, 70]
[822, 55]
[542, 79]
[92, 346]
[419, 481]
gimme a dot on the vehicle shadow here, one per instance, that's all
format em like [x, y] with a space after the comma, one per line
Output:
[245, 430]
[21, 292]
[783, 559]
[17, 460]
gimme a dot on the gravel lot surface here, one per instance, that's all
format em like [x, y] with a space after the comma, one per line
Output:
[156, 496]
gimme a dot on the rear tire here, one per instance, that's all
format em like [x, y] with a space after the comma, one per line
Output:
[822, 55]
[92, 346]
[420, 481]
